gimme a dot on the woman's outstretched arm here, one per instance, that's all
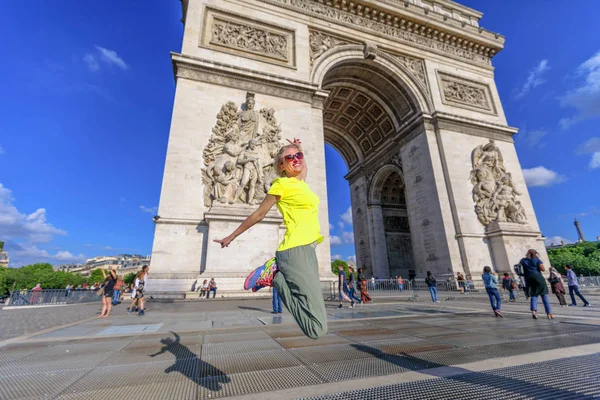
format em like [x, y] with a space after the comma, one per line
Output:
[253, 219]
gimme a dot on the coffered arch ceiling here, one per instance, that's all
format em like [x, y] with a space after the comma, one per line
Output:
[365, 110]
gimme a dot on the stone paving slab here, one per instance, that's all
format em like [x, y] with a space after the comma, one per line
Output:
[182, 361]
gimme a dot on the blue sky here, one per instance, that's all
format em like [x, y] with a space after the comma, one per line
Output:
[85, 108]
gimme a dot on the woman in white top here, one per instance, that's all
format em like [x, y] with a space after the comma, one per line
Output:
[137, 294]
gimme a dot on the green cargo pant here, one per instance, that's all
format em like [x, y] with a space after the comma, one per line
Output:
[298, 285]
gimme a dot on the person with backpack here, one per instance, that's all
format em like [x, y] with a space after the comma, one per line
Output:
[432, 285]
[532, 268]
[491, 288]
[509, 285]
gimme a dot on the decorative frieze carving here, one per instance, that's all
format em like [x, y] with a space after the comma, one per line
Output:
[356, 16]
[262, 41]
[396, 224]
[415, 66]
[466, 94]
[494, 194]
[239, 154]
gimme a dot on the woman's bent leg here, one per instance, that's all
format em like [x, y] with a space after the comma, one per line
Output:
[491, 297]
[298, 285]
[546, 304]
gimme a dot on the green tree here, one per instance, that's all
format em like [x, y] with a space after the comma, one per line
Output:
[583, 257]
[129, 278]
[96, 276]
[335, 267]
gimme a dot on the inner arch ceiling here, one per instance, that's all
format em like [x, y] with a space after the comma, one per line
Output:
[364, 111]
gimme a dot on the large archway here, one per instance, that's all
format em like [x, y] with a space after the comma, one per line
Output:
[364, 117]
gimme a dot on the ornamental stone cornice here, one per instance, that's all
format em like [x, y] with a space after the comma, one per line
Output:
[420, 29]
[469, 126]
[202, 70]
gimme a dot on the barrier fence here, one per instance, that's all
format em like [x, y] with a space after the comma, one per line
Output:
[52, 297]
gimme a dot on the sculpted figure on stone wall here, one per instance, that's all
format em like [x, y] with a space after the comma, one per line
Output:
[494, 194]
[239, 155]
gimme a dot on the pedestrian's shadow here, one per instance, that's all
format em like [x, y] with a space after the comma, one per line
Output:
[254, 309]
[189, 364]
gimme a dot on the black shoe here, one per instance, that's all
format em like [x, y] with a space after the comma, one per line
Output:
[572, 305]
[274, 312]
[340, 306]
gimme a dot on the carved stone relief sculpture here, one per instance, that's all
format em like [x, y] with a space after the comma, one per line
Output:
[239, 155]
[494, 194]
[466, 94]
[320, 43]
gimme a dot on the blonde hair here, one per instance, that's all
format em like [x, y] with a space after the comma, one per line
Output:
[279, 159]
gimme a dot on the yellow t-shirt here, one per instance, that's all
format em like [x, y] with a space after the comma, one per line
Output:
[299, 207]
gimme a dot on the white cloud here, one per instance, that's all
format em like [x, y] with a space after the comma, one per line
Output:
[556, 240]
[352, 258]
[347, 216]
[107, 56]
[592, 146]
[341, 225]
[2, 150]
[330, 226]
[111, 57]
[92, 62]
[534, 79]
[31, 228]
[149, 210]
[348, 237]
[586, 97]
[335, 240]
[336, 257]
[595, 161]
[27, 253]
[533, 138]
[541, 176]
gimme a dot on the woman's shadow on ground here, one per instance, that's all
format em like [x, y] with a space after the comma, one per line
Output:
[189, 364]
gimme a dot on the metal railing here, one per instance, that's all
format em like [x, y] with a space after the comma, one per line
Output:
[52, 297]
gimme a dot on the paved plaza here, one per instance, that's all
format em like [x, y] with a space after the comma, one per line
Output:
[393, 349]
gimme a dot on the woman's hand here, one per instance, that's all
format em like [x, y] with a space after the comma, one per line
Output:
[224, 242]
[296, 143]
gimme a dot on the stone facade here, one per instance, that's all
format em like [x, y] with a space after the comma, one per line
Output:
[404, 91]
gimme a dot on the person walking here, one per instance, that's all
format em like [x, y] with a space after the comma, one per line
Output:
[509, 285]
[574, 287]
[352, 287]
[343, 287]
[295, 273]
[109, 292]
[491, 287]
[362, 284]
[535, 282]
[118, 286]
[212, 287]
[432, 285]
[276, 301]
[557, 286]
[68, 290]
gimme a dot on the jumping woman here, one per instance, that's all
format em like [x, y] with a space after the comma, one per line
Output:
[295, 274]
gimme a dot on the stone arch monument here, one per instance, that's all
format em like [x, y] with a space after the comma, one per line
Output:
[404, 91]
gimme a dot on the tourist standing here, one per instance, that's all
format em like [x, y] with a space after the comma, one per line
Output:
[68, 290]
[460, 278]
[37, 290]
[574, 287]
[400, 283]
[276, 301]
[432, 285]
[109, 292]
[295, 273]
[509, 285]
[491, 287]
[351, 286]
[362, 284]
[557, 286]
[117, 289]
[536, 284]
[137, 293]
[343, 287]
[212, 287]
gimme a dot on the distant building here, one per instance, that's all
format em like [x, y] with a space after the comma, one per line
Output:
[580, 237]
[125, 262]
[4, 260]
